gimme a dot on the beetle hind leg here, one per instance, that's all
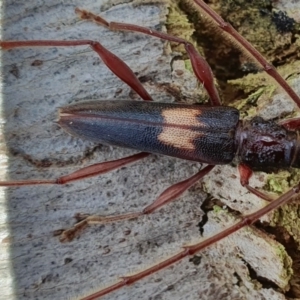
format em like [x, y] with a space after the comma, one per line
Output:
[245, 175]
[89, 171]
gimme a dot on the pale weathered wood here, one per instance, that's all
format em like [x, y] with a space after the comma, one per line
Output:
[34, 264]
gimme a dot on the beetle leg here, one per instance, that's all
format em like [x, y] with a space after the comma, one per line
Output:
[84, 220]
[201, 68]
[114, 63]
[176, 190]
[193, 249]
[290, 124]
[167, 196]
[93, 170]
[170, 194]
[247, 48]
[245, 175]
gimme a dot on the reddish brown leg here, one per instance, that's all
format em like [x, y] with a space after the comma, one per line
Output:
[245, 175]
[201, 68]
[84, 220]
[290, 124]
[167, 196]
[193, 249]
[90, 171]
[93, 170]
[247, 48]
[114, 63]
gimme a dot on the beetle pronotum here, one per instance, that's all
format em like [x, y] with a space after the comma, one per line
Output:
[45, 279]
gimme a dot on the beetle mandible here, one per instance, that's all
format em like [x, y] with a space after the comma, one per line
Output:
[34, 161]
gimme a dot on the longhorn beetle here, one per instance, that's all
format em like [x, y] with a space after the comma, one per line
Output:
[163, 138]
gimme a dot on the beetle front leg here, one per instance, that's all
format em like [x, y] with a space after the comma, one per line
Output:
[245, 175]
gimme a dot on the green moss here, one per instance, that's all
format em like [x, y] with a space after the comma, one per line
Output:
[179, 25]
[278, 182]
[218, 209]
[188, 65]
[287, 216]
[286, 260]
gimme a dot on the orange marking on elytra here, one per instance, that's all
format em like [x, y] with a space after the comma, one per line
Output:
[181, 135]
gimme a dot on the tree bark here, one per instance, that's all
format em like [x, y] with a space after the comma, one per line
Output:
[36, 82]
